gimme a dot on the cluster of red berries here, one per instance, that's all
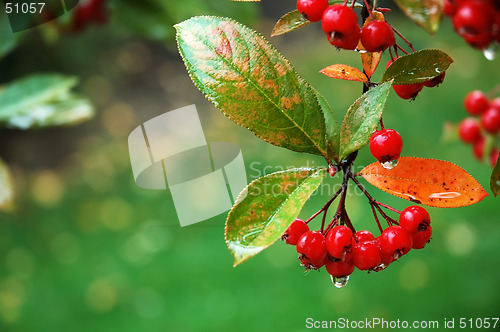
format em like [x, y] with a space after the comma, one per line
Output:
[87, 12]
[477, 21]
[474, 131]
[340, 23]
[340, 250]
[411, 91]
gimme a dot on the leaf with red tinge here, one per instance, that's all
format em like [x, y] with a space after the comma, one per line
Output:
[426, 181]
[495, 178]
[345, 72]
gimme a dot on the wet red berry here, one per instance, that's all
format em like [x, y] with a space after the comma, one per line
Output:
[386, 145]
[469, 130]
[414, 219]
[363, 236]
[490, 120]
[295, 231]
[420, 239]
[395, 242]
[340, 269]
[377, 36]
[339, 243]
[475, 102]
[340, 23]
[312, 10]
[366, 256]
[311, 247]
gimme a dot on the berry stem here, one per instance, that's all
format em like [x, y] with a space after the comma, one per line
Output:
[345, 2]
[403, 38]
[372, 201]
[367, 7]
[376, 218]
[388, 207]
[402, 49]
[382, 124]
[493, 92]
[325, 207]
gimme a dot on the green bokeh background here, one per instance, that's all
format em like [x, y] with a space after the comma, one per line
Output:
[88, 250]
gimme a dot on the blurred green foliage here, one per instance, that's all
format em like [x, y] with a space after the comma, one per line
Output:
[88, 250]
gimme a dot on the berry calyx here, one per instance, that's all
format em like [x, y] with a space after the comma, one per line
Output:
[311, 247]
[340, 23]
[312, 10]
[414, 219]
[395, 242]
[339, 243]
[340, 269]
[366, 256]
[469, 130]
[386, 145]
[420, 239]
[295, 231]
[377, 36]
[475, 102]
[490, 120]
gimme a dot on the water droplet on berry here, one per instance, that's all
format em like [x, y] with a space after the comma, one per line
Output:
[390, 164]
[340, 282]
[490, 52]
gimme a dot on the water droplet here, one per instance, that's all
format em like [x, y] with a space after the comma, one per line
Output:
[445, 195]
[490, 52]
[390, 164]
[340, 282]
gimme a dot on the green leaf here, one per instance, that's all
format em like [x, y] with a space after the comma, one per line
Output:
[426, 13]
[8, 39]
[42, 100]
[252, 83]
[495, 178]
[418, 67]
[265, 209]
[332, 128]
[294, 20]
[362, 119]
[6, 188]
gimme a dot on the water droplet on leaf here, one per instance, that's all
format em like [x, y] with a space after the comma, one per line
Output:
[390, 164]
[340, 282]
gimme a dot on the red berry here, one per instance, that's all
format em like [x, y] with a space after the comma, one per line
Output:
[473, 17]
[386, 145]
[494, 157]
[312, 10]
[420, 239]
[490, 120]
[295, 231]
[435, 81]
[377, 36]
[340, 23]
[340, 269]
[475, 102]
[478, 148]
[495, 103]
[366, 256]
[408, 91]
[469, 130]
[449, 8]
[311, 247]
[364, 236]
[339, 242]
[479, 40]
[414, 219]
[395, 242]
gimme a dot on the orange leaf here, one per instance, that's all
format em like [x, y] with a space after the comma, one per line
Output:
[371, 60]
[426, 181]
[345, 72]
